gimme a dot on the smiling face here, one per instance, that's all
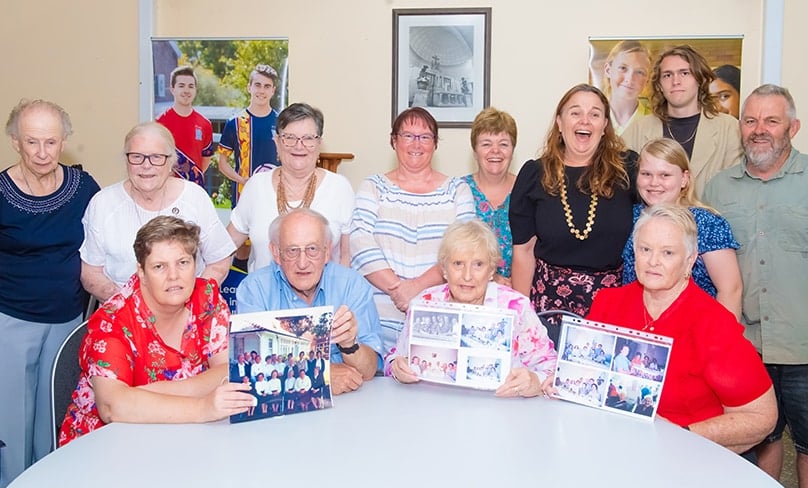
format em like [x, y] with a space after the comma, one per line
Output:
[729, 99]
[303, 272]
[167, 276]
[679, 87]
[261, 90]
[467, 271]
[662, 260]
[416, 155]
[494, 153]
[147, 178]
[659, 181]
[582, 121]
[40, 141]
[299, 157]
[766, 132]
[628, 73]
[184, 90]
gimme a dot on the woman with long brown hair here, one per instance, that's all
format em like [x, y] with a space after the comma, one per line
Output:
[571, 208]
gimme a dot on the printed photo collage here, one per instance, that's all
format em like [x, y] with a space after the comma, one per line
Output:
[284, 356]
[610, 367]
[463, 345]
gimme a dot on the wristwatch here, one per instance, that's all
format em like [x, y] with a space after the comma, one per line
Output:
[348, 350]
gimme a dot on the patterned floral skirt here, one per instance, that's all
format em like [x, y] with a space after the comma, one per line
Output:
[559, 288]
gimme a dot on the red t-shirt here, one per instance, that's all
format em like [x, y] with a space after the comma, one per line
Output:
[194, 138]
[712, 364]
[122, 343]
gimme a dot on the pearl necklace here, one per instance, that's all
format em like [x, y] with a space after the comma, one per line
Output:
[590, 221]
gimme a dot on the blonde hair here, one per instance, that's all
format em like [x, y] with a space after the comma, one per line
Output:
[681, 216]
[473, 234]
[492, 121]
[672, 152]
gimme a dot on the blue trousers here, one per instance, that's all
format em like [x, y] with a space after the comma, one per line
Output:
[27, 353]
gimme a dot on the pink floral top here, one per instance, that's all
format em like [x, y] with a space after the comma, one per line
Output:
[122, 343]
[532, 348]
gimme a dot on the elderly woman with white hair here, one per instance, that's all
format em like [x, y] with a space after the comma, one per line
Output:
[117, 212]
[468, 257]
[716, 384]
[41, 299]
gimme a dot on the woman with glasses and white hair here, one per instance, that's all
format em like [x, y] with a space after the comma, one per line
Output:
[117, 212]
[297, 182]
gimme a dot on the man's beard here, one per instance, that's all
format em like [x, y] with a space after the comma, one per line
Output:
[765, 158]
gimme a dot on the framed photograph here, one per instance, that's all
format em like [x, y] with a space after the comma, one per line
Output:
[442, 62]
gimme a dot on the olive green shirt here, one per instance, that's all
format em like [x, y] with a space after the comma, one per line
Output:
[770, 221]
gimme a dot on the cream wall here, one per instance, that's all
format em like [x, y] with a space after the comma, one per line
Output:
[71, 53]
[340, 60]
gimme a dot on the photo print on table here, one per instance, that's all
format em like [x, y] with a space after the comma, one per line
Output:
[284, 356]
[610, 367]
[458, 344]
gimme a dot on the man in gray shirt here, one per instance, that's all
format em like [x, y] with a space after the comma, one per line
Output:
[765, 200]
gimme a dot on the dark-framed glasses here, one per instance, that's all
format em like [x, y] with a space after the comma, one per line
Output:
[292, 253]
[410, 138]
[137, 158]
[290, 140]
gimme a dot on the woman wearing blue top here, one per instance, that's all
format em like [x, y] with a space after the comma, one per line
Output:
[493, 139]
[664, 177]
[41, 298]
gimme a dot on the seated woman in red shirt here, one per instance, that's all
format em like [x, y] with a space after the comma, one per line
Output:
[156, 352]
[716, 384]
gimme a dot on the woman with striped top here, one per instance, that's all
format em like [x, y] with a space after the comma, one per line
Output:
[399, 220]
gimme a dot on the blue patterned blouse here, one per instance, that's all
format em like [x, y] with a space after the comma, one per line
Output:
[714, 233]
[497, 219]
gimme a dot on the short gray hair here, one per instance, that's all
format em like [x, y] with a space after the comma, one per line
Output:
[680, 215]
[13, 122]
[770, 89]
[471, 234]
[275, 226]
[300, 111]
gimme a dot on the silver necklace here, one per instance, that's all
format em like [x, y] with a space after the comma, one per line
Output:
[667, 126]
[137, 207]
[31, 190]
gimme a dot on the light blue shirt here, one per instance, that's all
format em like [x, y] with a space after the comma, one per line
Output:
[268, 289]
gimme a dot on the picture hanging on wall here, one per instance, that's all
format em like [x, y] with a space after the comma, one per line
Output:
[442, 62]
[623, 68]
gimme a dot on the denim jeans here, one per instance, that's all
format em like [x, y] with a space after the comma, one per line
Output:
[791, 388]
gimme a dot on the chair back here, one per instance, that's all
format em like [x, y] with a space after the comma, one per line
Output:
[65, 377]
[554, 326]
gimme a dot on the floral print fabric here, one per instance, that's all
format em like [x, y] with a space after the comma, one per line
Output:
[122, 343]
[497, 219]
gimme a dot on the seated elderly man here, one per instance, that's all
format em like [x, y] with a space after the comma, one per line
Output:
[302, 275]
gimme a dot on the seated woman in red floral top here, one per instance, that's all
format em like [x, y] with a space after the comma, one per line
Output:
[156, 352]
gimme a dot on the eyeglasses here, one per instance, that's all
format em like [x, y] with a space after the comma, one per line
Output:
[290, 140]
[137, 159]
[292, 253]
[410, 138]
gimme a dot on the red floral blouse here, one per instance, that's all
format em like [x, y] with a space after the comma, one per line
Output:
[122, 343]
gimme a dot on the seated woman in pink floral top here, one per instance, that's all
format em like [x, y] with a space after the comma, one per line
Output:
[156, 352]
[468, 257]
